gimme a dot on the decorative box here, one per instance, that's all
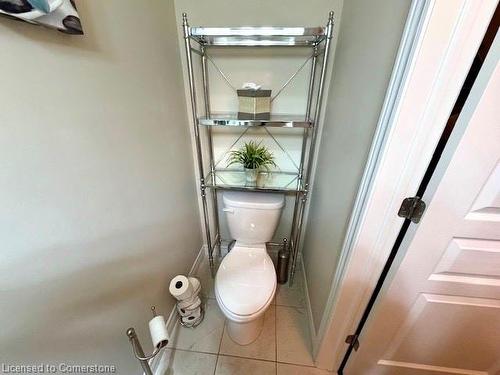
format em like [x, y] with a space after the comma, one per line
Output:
[254, 104]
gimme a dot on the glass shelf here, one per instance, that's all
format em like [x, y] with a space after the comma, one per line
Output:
[276, 121]
[257, 36]
[266, 181]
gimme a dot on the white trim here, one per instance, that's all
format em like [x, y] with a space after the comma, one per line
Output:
[429, 368]
[156, 363]
[310, 319]
[447, 37]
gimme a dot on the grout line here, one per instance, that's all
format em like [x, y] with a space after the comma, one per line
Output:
[216, 363]
[192, 351]
[296, 364]
[275, 337]
[239, 356]
[220, 344]
[249, 358]
[222, 336]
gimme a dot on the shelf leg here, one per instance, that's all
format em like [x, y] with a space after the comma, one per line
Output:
[312, 147]
[305, 135]
[196, 130]
[206, 96]
[298, 233]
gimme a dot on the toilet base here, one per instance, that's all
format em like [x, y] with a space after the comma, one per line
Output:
[245, 333]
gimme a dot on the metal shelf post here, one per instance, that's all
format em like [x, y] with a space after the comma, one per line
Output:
[192, 91]
[206, 96]
[298, 195]
[312, 147]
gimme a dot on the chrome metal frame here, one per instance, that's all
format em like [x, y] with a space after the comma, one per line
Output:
[210, 37]
[226, 119]
[199, 158]
[206, 96]
[312, 147]
[139, 352]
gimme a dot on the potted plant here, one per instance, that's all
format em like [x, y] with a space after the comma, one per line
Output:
[253, 157]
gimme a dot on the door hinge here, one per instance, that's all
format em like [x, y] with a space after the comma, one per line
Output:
[353, 341]
[412, 208]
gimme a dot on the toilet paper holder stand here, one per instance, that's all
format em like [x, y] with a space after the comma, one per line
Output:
[139, 352]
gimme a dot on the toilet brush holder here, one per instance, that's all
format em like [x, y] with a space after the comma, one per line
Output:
[282, 266]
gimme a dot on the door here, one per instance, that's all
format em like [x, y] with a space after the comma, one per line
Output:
[439, 311]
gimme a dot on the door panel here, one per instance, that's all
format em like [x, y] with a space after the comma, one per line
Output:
[486, 206]
[439, 313]
[470, 260]
[446, 331]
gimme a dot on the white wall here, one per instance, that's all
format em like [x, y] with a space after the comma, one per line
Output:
[369, 37]
[96, 183]
[270, 67]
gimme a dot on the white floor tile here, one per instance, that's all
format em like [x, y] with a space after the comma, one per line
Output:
[285, 369]
[204, 338]
[244, 366]
[293, 337]
[178, 362]
[262, 348]
[294, 295]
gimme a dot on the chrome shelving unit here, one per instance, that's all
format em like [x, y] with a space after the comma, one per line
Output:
[197, 41]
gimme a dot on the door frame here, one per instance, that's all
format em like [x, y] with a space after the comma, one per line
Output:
[439, 43]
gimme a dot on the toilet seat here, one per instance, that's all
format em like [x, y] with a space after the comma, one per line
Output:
[246, 282]
[241, 318]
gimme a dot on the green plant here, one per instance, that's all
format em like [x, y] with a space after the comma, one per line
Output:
[252, 155]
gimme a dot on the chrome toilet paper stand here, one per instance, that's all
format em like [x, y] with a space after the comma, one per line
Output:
[139, 352]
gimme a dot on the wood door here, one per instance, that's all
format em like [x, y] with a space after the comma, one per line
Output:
[439, 311]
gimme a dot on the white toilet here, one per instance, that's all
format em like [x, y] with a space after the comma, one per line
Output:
[246, 280]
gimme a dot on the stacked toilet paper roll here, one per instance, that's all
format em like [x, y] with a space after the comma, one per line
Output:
[186, 290]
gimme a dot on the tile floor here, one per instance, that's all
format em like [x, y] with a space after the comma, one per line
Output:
[283, 348]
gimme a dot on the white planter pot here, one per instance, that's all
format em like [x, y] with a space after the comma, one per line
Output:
[251, 176]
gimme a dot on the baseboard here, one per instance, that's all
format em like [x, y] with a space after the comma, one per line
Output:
[312, 328]
[159, 364]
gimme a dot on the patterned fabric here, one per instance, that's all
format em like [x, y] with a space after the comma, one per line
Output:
[57, 14]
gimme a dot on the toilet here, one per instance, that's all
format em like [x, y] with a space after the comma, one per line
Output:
[245, 283]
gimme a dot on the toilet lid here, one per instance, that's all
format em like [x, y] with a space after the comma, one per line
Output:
[246, 280]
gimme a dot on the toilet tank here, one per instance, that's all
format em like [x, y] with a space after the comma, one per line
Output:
[252, 217]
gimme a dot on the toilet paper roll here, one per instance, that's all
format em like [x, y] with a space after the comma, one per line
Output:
[182, 312]
[193, 318]
[158, 331]
[180, 287]
[196, 284]
[188, 302]
[188, 310]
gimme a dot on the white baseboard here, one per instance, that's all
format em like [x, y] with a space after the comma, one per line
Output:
[159, 364]
[312, 328]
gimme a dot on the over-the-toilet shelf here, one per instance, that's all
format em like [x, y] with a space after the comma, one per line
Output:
[197, 41]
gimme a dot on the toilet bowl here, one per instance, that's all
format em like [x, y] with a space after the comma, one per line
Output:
[245, 283]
